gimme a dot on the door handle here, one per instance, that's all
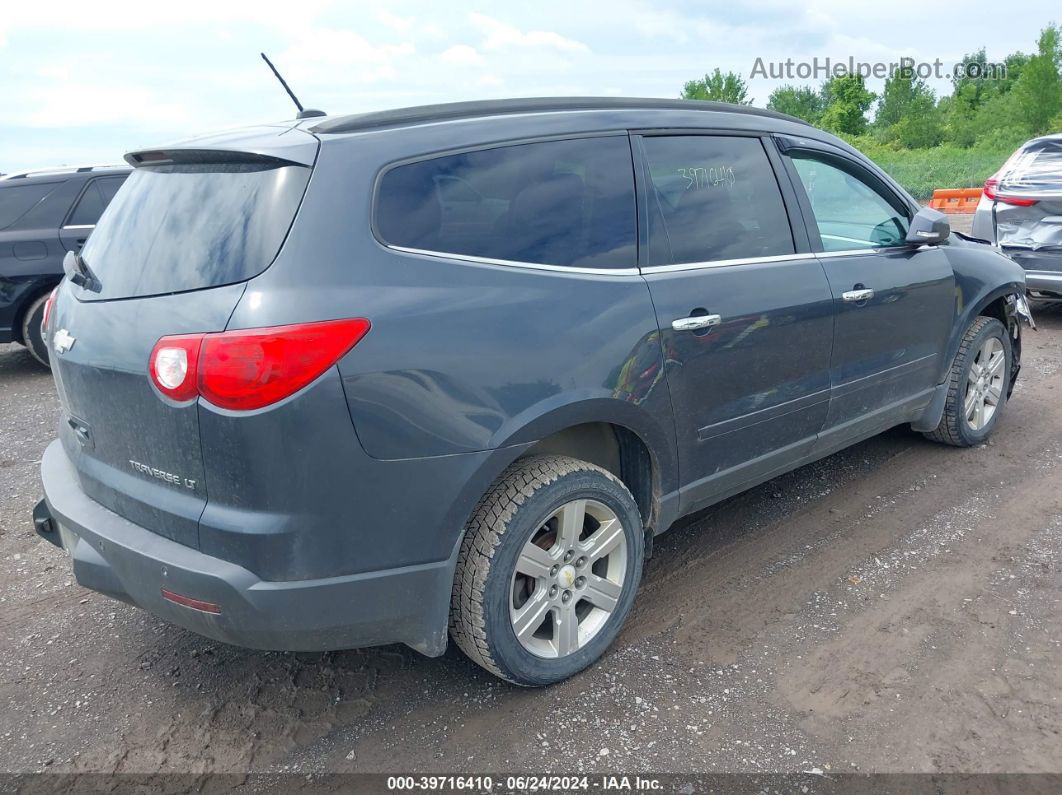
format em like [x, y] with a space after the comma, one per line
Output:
[857, 296]
[695, 322]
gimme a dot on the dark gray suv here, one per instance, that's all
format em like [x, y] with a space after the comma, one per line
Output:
[447, 370]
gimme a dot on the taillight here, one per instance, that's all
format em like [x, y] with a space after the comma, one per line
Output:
[48, 310]
[174, 366]
[991, 191]
[250, 368]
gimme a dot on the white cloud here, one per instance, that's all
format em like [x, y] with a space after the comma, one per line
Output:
[462, 54]
[86, 103]
[316, 51]
[501, 35]
[395, 22]
[126, 15]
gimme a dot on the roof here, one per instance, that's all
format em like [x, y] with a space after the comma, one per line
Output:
[495, 107]
[62, 170]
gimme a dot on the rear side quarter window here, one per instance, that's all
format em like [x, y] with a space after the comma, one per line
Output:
[564, 203]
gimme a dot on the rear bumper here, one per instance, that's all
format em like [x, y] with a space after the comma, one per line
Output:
[118, 558]
[1043, 269]
[1044, 281]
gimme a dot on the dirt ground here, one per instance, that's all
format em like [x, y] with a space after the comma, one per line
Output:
[895, 607]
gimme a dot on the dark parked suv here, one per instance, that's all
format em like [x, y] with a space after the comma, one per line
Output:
[447, 370]
[44, 214]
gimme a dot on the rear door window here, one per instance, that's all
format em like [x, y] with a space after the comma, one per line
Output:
[17, 200]
[187, 226]
[712, 198]
[553, 202]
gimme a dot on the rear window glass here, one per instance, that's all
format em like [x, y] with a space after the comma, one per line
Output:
[713, 198]
[184, 227]
[17, 200]
[1035, 169]
[552, 203]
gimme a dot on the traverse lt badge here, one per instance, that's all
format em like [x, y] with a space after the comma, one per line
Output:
[63, 340]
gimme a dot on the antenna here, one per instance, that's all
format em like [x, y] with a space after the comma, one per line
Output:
[303, 113]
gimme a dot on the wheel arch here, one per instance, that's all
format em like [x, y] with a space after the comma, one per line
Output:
[38, 288]
[993, 303]
[643, 451]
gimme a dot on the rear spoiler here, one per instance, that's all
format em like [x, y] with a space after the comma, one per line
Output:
[166, 157]
[264, 145]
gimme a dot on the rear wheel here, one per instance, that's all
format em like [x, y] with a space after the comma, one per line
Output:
[977, 385]
[32, 335]
[548, 570]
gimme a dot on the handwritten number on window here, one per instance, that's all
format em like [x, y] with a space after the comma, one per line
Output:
[699, 177]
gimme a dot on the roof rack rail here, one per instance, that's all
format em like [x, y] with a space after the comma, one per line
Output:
[466, 110]
[57, 170]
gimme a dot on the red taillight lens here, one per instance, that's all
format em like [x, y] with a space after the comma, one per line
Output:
[991, 191]
[251, 368]
[48, 309]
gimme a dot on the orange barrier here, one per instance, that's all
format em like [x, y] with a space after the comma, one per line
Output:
[955, 200]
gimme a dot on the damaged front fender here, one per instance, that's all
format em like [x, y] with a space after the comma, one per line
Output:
[1018, 307]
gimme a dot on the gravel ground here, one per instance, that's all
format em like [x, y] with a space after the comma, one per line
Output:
[895, 607]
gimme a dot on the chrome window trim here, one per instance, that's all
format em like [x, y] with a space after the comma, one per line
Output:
[726, 263]
[647, 269]
[538, 266]
[80, 226]
[852, 252]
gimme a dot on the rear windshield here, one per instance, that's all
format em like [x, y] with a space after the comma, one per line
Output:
[1035, 169]
[16, 200]
[184, 227]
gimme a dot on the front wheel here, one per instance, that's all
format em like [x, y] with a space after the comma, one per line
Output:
[548, 570]
[977, 385]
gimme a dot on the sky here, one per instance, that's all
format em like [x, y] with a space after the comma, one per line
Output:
[84, 82]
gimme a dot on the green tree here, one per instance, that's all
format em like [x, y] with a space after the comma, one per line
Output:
[907, 112]
[847, 103]
[803, 102]
[1038, 92]
[903, 93]
[720, 87]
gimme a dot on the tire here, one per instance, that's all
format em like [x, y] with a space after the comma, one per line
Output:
[32, 337]
[955, 428]
[519, 520]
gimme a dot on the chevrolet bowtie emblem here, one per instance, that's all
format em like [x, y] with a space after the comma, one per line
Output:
[63, 340]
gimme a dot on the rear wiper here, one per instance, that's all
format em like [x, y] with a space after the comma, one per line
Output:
[80, 273]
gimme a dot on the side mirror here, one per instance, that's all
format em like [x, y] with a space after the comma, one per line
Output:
[929, 227]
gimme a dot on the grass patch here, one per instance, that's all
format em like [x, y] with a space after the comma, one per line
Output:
[921, 171]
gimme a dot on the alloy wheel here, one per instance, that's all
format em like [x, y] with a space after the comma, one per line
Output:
[985, 383]
[568, 578]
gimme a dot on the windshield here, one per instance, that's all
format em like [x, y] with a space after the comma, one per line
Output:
[172, 228]
[1036, 169]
